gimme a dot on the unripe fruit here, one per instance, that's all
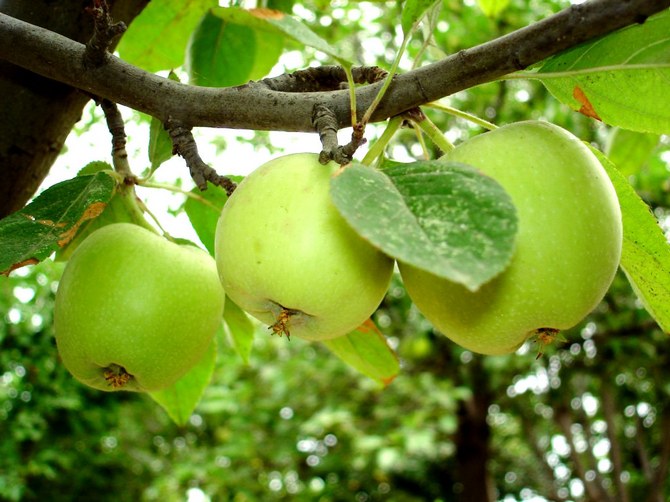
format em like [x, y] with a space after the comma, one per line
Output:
[567, 250]
[287, 257]
[135, 311]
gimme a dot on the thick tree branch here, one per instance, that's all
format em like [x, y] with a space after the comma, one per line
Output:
[257, 106]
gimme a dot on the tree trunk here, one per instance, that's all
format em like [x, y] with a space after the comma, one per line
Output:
[472, 442]
[39, 113]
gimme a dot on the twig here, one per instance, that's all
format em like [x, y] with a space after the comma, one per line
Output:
[117, 129]
[325, 123]
[183, 144]
[104, 33]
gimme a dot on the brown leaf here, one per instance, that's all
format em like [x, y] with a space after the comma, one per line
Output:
[587, 108]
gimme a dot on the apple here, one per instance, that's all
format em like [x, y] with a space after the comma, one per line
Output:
[287, 257]
[567, 249]
[135, 311]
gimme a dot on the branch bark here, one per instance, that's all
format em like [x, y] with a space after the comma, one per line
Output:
[257, 106]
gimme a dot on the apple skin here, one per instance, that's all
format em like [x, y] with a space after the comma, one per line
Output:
[282, 249]
[134, 311]
[567, 250]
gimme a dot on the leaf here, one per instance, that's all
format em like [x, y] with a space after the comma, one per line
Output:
[645, 256]
[203, 212]
[183, 396]
[445, 218]
[223, 54]
[156, 40]
[630, 150]
[492, 8]
[240, 329]
[160, 143]
[412, 12]
[367, 351]
[275, 21]
[618, 79]
[52, 220]
[119, 209]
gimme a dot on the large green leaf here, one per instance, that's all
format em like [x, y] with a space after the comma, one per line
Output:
[222, 53]
[52, 220]
[645, 256]
[182, 397]
[203, 210]
[274, 21]
[628, 150]
[621, 79]
[239, 328]
[445, 218]
[160, 143]
[412, 12]
[367, 351]
[156, 40]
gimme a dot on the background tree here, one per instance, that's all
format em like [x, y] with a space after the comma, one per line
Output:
[588, 420]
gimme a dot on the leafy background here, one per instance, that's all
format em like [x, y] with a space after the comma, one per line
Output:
[588, 419]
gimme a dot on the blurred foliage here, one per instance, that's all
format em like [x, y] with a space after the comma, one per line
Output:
[588, 415]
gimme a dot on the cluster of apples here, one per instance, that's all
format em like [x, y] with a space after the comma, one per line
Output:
[135, 311]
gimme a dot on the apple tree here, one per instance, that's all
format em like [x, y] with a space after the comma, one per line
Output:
[507, 241]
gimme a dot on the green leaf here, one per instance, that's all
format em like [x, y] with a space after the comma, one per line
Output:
[182, 397]
[445, 218]
[95, 166]
[160, 143]
[412, 12]
[630, 150]
[203, 212]
[121, 208]
[367, 351]
[240, 329]
[645, 256]
[52, 220]
[222, 53]
[619, 79]
[156, 40]
[492, 8]
[274, 21]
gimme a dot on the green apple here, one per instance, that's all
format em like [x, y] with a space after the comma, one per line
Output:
[567, 249]
[135, 311]
[287, 257]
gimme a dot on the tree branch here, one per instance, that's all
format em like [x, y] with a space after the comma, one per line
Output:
[257, 106]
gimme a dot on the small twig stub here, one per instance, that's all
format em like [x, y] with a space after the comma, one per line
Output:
[184, 145]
